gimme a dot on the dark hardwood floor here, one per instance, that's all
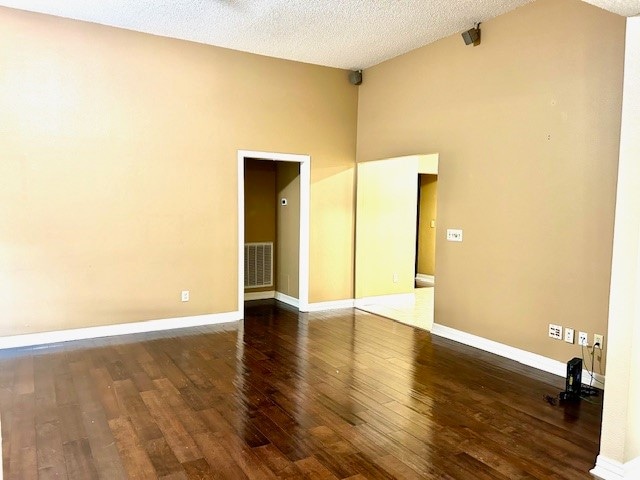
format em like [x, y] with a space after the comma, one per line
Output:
[341, 394]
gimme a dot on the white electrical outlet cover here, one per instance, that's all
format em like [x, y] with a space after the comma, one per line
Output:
[583, 339]
[568, 335]
[599, 340]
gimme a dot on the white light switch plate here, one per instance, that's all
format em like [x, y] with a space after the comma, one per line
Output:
[454, 235]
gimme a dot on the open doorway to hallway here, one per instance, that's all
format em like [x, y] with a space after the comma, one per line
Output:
[273, 227]
[421, 312]
[426, 230]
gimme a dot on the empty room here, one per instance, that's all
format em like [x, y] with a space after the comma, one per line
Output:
[213, 224]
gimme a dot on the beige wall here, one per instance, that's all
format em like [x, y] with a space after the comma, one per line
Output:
[288, 229]
[260, 201]
[427, 233]
[119, 171]
[527, 126]
[260, 206]
[387, 199]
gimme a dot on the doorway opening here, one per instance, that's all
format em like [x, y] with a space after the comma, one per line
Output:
[426, 230]
[388, 242]
[290, 175]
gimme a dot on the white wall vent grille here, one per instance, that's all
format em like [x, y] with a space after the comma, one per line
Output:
[258, 265]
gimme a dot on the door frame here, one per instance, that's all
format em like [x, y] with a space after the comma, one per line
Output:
[305, 188]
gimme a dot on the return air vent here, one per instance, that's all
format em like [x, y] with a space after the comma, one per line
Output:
[258, 265]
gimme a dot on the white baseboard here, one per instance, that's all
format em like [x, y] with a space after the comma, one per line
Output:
[531, 359]
[425, 278]
[607, 469]
[43, 338]
[331, 305]
[248, 296]
[395, 300]
[632, 468]
[294, 302]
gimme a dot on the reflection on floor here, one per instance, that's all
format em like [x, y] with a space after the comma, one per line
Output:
[418, 314]
[286, 395]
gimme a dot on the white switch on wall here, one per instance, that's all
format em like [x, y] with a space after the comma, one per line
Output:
[454, 235]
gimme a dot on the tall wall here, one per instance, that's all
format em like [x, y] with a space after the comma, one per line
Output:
[527, 126]
[119, 171]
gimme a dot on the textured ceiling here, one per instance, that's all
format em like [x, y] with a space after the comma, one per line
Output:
[626, 8]
[339, 33]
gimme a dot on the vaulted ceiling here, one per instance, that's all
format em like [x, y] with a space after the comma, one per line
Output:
[350, 34]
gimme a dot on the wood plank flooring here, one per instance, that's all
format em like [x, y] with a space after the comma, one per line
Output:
[334, 395]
